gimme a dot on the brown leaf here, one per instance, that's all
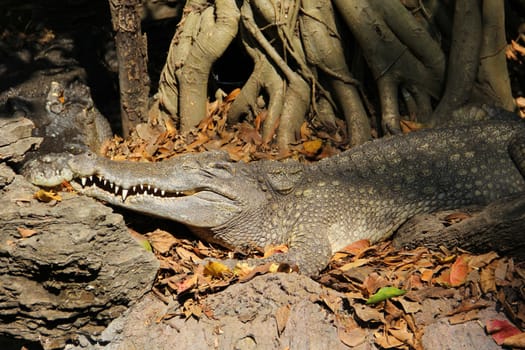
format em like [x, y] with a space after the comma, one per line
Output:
[373, 282]
[401, 332]
[500, 272]
[246, 272]
[281, 317]
[487, 279]
[518, 48]
[520, 102]
[332, 301]
[354, 264]
[249, 134]
[517, 340]
[368, 314]
[26, 232]
[161, 241]
[186, 254]
[312, 147]
[426, 275]
[232, 95]
[392, 310]
[192, 308]
[478, 261]
[464, 317]
[409, 126]
[443, 279]
[410, 307]
[387, 341]
[468, 305]
[183, 285]
[353, 337]
[275, 249]
[357, 247]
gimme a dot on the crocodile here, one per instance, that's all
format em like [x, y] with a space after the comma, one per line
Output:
[317, 209]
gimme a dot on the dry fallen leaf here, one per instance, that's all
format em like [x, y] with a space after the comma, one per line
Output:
[47, 196]
[463, 317]
[216, 269]
[487, 279]
[281, 317]
[368, 314]
[192, 308]
[275, 249]
[26, 232]
[500, 330]
[409, 126]
[387, 341]
[311, 148]
[161, 241]
[354, 264]
[459, 271]
[353, 337]
[357, 247]
[410, 307]
[517, 340]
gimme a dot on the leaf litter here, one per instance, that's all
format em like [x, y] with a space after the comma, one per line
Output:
[385, 289]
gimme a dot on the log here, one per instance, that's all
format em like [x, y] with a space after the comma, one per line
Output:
[500, 226]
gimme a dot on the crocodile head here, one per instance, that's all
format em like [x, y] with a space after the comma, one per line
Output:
[200, 190]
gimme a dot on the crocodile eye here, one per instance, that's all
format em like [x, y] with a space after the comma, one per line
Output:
[284, 181]
[223, 166]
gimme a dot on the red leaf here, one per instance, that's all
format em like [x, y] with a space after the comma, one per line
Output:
[500, 330]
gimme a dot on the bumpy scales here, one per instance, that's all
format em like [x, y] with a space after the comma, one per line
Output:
[317, 209]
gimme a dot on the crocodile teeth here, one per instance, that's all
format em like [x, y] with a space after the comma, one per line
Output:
[155, 190]
[124, 194]
[83, 181]
[105, 182]
[91, 178]
[162, 193]
[134, 189]
[116, 189]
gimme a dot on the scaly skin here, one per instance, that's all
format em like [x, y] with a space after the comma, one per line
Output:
[317, 209]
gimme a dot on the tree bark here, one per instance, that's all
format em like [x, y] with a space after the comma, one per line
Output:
[463, 61]
[132, 56]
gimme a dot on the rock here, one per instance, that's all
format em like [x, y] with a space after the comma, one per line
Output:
[15, 138]
[244, 317]
[67, 267]
[468, 335]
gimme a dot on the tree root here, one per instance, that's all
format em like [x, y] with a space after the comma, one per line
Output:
[301, 59]
[203, 36]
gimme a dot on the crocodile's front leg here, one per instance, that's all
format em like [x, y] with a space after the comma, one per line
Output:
[308, 249]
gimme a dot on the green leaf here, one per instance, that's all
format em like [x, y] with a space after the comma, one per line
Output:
[384, 294]
[145, 244]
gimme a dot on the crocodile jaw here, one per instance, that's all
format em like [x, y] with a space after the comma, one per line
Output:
[200, 209]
